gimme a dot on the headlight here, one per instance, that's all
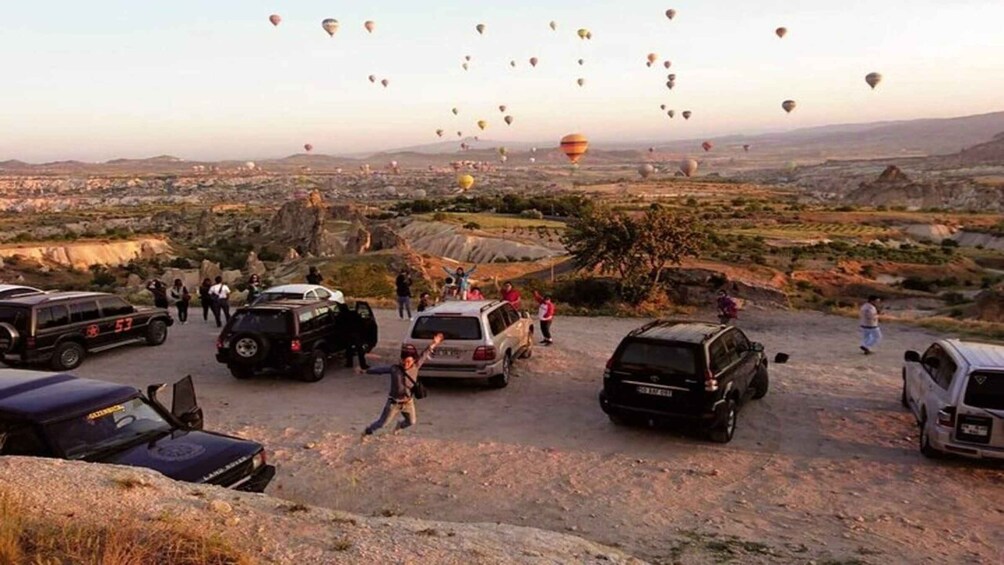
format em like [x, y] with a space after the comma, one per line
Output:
[258, 460]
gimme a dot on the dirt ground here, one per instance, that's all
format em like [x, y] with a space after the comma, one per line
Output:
[825, 469]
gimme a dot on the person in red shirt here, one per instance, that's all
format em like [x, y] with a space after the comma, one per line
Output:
[508, 293]
[545, 313]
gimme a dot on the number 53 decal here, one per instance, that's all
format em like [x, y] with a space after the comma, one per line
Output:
[123, 325]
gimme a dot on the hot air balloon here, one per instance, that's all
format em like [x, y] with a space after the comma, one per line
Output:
[250, 165]
[788, 105]
[533, 61]
[662, 106]
[370, 25]
[512, 64]
[646, 170]
[574, 146]
[584, 33]
[460, 134]
[707, 146]
[671, 76]
[465, 66]
[688, 167]
[330, 25]
[554, 26]
[385, 83]
[781, 32]
[667, 64]
[276, 19]
[873, 79]
[671, 84]
[589, 35]
[308, 147]
[439, 132]
[651, 150]
[581, 82]
[671, 13]
[652, 58]
[465, 182]
[504, 158]
[746, 148]
[503, 150]
[482, 124]
[508, 120]
[671, 113]
[533, 160]
[393, 164]
[455, 111]
[502, 108]
[480, 28]
[467, 58]
[687, 114]
[372, 78]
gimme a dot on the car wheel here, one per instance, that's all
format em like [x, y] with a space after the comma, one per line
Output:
[926, 449]
[8, 337]
[156, 333]
[761, 382]
[68, 356]
[315, 368]
[725, 427]
[241, 373]
[248, 349]
[502, 380]
[528, 352]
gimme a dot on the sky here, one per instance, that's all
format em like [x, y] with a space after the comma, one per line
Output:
[214, 79]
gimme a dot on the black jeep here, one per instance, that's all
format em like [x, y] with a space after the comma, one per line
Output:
[293, 337]
[62, 416]
[61, 328]
[685, 370]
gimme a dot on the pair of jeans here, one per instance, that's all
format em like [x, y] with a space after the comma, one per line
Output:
[224, 307]
[870, 337]
[545, 329]
[391, 410]
[182, 311]
[403, 303]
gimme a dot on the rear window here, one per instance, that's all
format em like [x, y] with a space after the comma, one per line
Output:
[457, 328]
[666, 357]
[273, 296]
[17, 317]
[985, 390]
[260, 321]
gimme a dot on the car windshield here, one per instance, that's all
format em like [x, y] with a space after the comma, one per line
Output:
[273, 296]
[668, 357]
[452, 327]
[985, 390]
[107, 428]
[260, 321]
[17, 317]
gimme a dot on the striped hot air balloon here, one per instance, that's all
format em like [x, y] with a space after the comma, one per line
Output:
[574, 146]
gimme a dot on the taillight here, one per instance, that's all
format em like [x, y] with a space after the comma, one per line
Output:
[30, 342]
[407, 350]
[484, 353]
[710, 383]
[610, 365]
[219, 343]
[295, 346]
[946, 417]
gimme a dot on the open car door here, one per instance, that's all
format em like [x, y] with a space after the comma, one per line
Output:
[184, 405]
[370, 332]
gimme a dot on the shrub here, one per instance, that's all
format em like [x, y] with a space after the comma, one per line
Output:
[439, 216]
[918, 284]
[180, 263]
[532, 214]
[472, 226]
[949, 243]
[953, 298]
[589, 292]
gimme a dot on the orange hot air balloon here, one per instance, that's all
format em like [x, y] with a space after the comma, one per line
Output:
[276, 19]
[688, 167]
[652, 58]
[508, 120]
[687, 114]
[533, 61]
[788, 105]
[574, 146]
[781, 32]
[708, 146]
[308, 147]
[482, 124]
[370, 25]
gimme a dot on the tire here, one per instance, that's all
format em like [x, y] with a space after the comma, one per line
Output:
[725, 428]
[241, 373]
[502, 379]
[156, 333]
[315, 369]
[761, 382]
[68, 356]
[528, 352]
[9, 337]
[248, 349]
[926, 449]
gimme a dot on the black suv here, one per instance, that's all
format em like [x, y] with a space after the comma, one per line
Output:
[685, 370]
[62, 416]
[293, 336]
[61, 328]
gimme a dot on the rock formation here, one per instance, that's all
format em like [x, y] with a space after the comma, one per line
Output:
[989, 306]
[301, 224]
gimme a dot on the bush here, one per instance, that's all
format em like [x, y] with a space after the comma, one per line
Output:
[532, 214]
[439, 216]
[180, 263]
[588, 292]
[954, 298]
[918, 284]
[949, 243]
[472, 226]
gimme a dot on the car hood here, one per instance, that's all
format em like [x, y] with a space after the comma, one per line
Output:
[188, 456]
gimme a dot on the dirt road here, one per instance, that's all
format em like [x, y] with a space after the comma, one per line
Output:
[824, 469]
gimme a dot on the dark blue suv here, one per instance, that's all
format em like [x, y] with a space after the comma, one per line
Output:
[62, 416]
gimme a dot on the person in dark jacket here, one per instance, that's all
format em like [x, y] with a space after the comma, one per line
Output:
[424, 302]
[205, 298]
[403, 284]
[357, 340]
[254, 289]
[403, 377]
[314, 276]
[178, 295]
[159, 291]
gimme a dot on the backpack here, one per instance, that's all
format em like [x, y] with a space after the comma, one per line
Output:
[418, 390]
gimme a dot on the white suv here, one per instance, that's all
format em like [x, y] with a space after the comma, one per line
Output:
[956, 391]
[482, 339]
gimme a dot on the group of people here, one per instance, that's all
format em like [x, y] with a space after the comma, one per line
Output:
[214, 296]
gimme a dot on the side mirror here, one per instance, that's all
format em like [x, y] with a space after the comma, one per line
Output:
[756, 347]
[911, 357]
[781, 358]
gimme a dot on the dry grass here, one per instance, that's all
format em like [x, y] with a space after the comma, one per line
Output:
[26, 539]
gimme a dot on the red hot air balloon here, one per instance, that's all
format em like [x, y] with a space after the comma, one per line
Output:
[308, 147]
[276, 19]
[707, 145]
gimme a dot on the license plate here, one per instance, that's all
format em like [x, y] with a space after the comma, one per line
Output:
[446, 352]
[655, 391]
[974, 430]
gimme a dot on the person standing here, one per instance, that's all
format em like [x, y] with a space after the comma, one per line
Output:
[314, 276]
[871, 335]
[220, 294]
[159, 293]
[545, 313]
[509, 293]
[179, 296]
[728, 309]
[403, 377]
[356, 340]
[462, 279]
[403, 284]
[205, 298]
[254, 288]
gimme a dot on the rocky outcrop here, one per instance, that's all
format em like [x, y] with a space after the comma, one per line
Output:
[379, 238]
[301, 224]
[989, 306]
[954, 194]
[450, 241]
[83, 255]
[254, 265]
[892, 174]
[271, 530]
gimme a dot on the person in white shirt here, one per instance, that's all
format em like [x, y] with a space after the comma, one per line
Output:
[869, 321]
[220, 294]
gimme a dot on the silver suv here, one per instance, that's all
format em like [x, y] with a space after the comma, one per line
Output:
[956, 391]
[482, 339]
